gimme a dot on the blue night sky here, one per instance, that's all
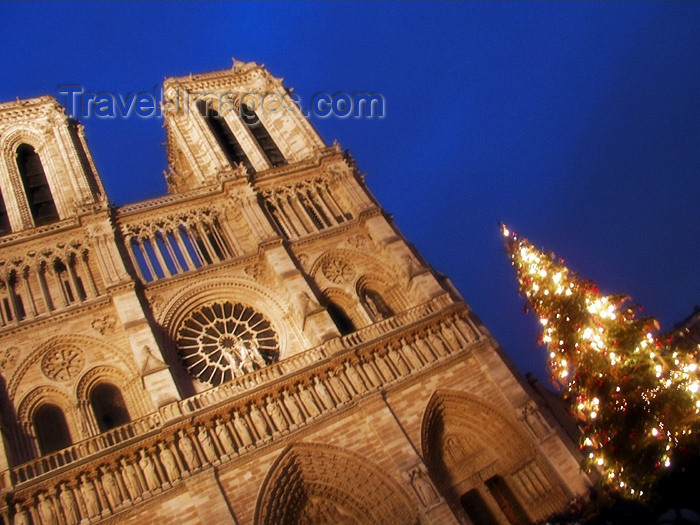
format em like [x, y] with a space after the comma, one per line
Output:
[577, 124]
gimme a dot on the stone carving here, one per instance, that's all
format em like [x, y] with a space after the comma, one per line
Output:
[454, 447]
[131, 482]
[68, 504]
[303, 260]
[149, 471]
[292, 408]
[424, 489]
[371, 374]
[189, 454]
[322, 511]
[308, 401]
[422, 350]
[258, 421]
[8, 358]
[338, 386]
[384, 368]
[44, 507]
[111, 489]
[224, 437]
[207, 444]
[438, 344]
[467, 329]
[338, 271]
[355, 380]
[104, 324]
[359, 241]
[410, 354]
[535, 421]
[167, 459]
[62, 364]
[275, 413]
[223, 340]
[450, 334]
[21, 516]
[87, 490]
[242, 430]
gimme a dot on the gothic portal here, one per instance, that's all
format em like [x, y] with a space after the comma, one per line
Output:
[259, 346]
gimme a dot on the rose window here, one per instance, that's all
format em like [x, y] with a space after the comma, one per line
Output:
[224, 340]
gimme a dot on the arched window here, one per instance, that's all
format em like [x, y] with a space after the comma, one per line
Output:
[36, 187]
[4, 219]
[224, 136]
[375, 305]
[51, 429]
[341, 319]
[262, 137]
[109, 407]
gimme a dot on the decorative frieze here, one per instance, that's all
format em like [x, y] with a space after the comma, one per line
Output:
[116, 479]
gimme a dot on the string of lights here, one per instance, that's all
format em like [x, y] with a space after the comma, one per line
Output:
[635, 397]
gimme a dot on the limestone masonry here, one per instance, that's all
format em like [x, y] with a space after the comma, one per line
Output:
[259, 346]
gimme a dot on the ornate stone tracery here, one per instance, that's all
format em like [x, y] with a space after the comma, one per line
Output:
[223, 340]
[63, 363]
[338, 270]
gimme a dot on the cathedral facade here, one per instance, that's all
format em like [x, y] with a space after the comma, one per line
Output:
[259, 346]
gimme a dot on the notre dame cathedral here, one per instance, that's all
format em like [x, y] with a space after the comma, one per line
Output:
[259, 346]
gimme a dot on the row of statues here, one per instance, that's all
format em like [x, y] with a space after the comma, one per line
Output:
[140, 474]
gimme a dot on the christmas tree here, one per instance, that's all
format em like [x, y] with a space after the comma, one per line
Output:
[636, 397]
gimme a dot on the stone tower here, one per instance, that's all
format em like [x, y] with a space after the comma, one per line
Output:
[259, 346]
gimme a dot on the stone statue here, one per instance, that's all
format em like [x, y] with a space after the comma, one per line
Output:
[411, 356]
[293, 408]
[398, 362]
[437, 345]
[423, 488]
[372, 376]
[308, 401]
[224, 437]
[424, 350]
[130, 480]
[338, 387]
[21, 516]
[168, 460]
[257, 357]
[189, 454]
[87, 489]
[355, 380]
[275, 413]
[323, 394]
[44, 507]
[384, 368]
[149, 471]
[258, 421]
[242, 430]
[69, 505]
[449, 333]
[535, 421]
[109, 483]
[207, 444]
[246, 359]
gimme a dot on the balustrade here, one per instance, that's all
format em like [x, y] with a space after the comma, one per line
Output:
[238, 421]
